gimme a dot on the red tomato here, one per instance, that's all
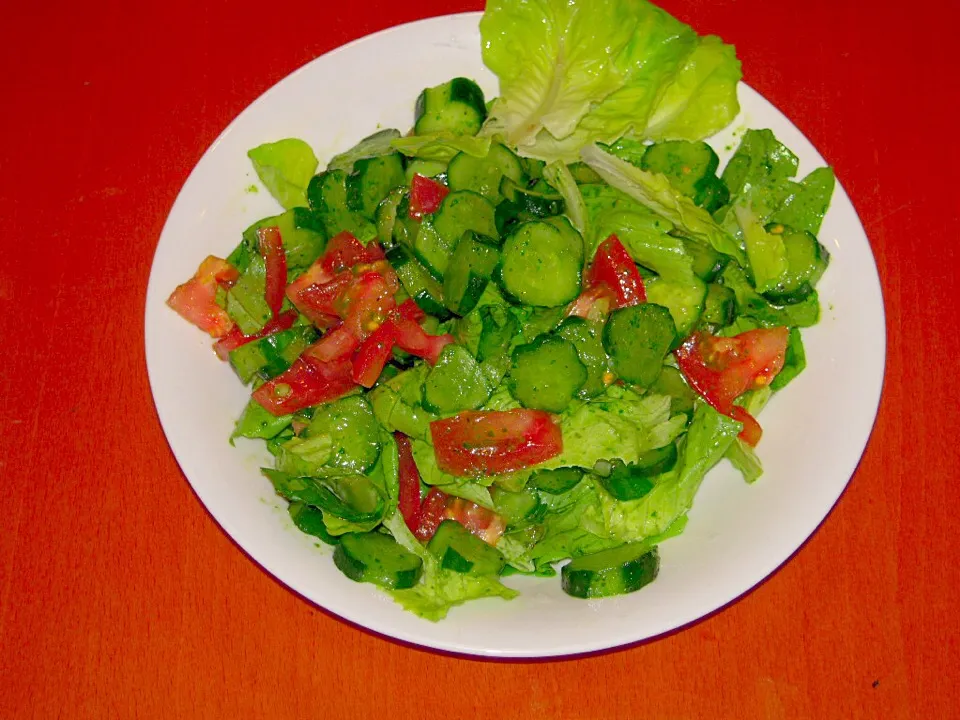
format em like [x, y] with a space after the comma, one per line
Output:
[415, 340]
[484, 523]
[335, 344]
[195, 301]
[721, 369]
[593, 303]
[270, 245]
[426, 195]
[409, 500]
[752, 432]
[373, 354]
[614, 268]
[235, 338]
[307, 382]
[367, 303]
[490, 443]
[316, 299]
[411, 311]
[344, 251]
[431, 514]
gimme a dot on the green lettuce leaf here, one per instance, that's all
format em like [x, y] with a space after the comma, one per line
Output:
[753, 305]
[439, 590]
[766, 252]
[760, 158]
[805, 207]
[285, 168]
[572, 73]
[702, 99]
[708, 439]
[558, 175]
[376, 145]
[441, 147]
[743, 457]
[655, 192]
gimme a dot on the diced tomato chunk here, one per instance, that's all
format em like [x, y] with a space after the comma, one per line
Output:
[416, 341]
[593, 303]
[317, 300]
[476, 443]
[270, 245]
[484, 523]
[335, 344]
[431, 514]
[195, 300]
[721, 369]
[426, 195]
[307, 382]
[614, 268]
[373, 354]
[367, 303]
[409, 499]
[344, 251]
[235, 338]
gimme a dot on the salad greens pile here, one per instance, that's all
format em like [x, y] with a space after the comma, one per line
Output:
[525, 331]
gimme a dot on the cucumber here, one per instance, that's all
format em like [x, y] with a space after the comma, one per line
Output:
[517, 507]
[351, 424]
[637, 338]
[327, 191]
[707, 263]
[537, 203]
[585, 336]
[546, 374]
[632, 481]
[418, 283]
[683, 162]
[462, 211]
[471, 265]
[462, 552]
[719, 306]
[377, 558]
[807, 260]
[617, 571]
[670, 382]
[309, 520]
[684, 300]
[557, 481]
[484, 175]
[541, 264]
[352, 498]
[432, 249]
[455, 383]
[456, 107]
[387, 215]
[428, 168]
[371, 180]
[711, 193]
[269, 356]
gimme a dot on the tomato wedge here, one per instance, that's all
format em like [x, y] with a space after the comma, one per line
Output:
[409, 500]
[484, 523]
[416, 341]
[344, 251]
[475, 443]
[431, 514]
[373, 354]
[614, 268]
[195, 300]
[367, 302]
[270, 245]
[235, 338]
[316, 298]
[593, 303]
[307, 382]
[426, 195]
[721, 369]
[335, 344]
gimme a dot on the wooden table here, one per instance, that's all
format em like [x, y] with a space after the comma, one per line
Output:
[119, 595]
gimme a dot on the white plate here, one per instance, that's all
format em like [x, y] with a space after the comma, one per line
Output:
[815, 431]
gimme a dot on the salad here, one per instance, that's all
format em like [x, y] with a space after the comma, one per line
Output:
[514, 338]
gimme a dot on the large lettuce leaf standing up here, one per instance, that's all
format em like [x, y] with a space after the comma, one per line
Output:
[574, 72]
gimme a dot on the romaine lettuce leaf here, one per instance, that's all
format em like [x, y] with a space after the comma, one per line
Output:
[805, 207]
[702, 99]
[766, 252]
[439, 590]
[561, 179]
[706, 442]
[285, 168]
[655, 192]
[376, 145]
[441, 147]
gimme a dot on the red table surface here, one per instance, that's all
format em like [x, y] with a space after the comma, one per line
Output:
[121, 597]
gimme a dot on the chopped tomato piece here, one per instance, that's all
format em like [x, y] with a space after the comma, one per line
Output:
[416, 341]
[195, 300]
[366, 303]
[409, 500]
[235, 338]
[721, 369]
[411, 311]
[484, 523]
[426, 195]
[614, 268]
[431, 514]
[593, 303]
[317, 300]
[373, 354]
[270, 245]
[335, 344]
[344, 251]
[307, 382]
[477, 443]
